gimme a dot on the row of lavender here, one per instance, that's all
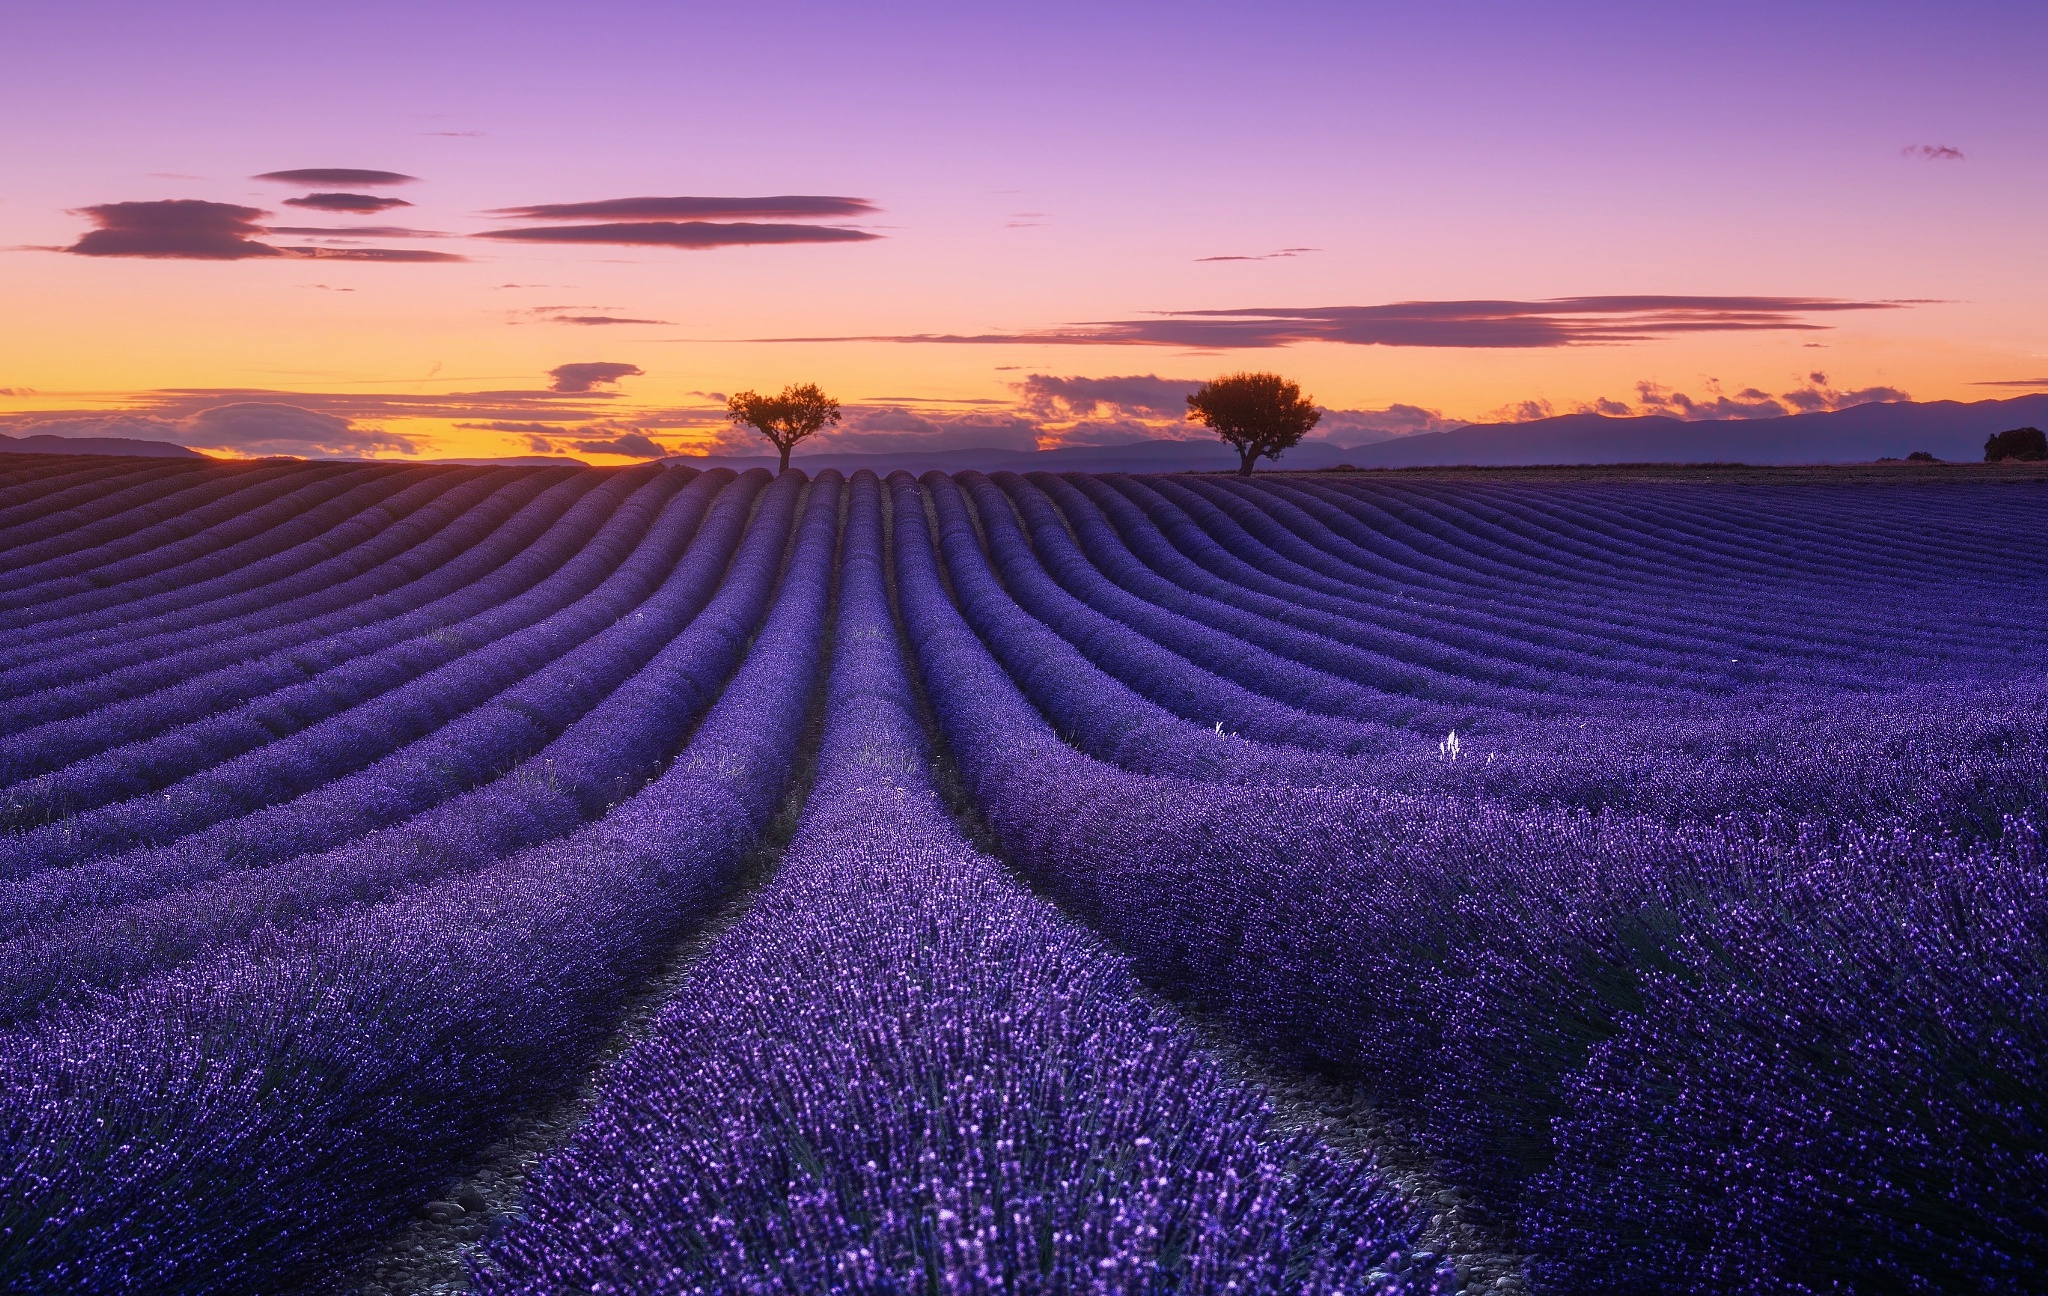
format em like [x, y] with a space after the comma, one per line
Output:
[241, 1057]
[1737, 1015]
[315, 787]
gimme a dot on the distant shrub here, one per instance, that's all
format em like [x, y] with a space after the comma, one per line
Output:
[2026, 443]
[1921, 456]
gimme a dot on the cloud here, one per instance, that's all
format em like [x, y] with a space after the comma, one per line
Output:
[2013, 382]
[194, 230]
[1522, 411]
[347, 202]
[1282, 254]
[370, 254]
[565, 315]
[1815, 395]
[683, 234]
[178, 227]
[1818, 395]
[888, 428]
[636, 444]
[591, 374]
[1556, 322]
[1360, 426]
[664, 209]
[264, 428]
[1117, 431]
[1050, 397]
[335, 423]
[245, 427]
[1932, 152]
[358, 231]
[336, 176]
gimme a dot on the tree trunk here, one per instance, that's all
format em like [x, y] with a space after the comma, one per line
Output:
[1246, 459]
[785, 460]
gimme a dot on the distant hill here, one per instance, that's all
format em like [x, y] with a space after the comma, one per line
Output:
[1139, 456]
[44, 443]
[1951, 430]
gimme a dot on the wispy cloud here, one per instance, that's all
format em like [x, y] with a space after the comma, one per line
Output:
[1555, 322]
[789, 206]
[337, 176]
[2013, 382]
[1282, 254]
[1932, 152]
[581, 315]
[195, 230]
[682, 234]
[357, 231]
[593, 320]
[370, 254]
[366, 204]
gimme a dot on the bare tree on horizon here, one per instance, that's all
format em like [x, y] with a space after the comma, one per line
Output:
[786, 419]
[1257, 413]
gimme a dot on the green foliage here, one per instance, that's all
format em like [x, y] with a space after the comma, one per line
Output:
[786, 419]
[2027, 443]
[1260, 414]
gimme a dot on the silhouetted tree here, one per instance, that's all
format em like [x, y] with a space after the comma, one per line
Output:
[1921, 456]
[2027, 443]
[1258, 413]
[785, 419]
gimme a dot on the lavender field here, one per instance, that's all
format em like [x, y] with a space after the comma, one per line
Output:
[550, 880]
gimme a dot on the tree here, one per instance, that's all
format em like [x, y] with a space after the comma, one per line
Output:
[2027, 443]
[785, 419]
[1258, 413]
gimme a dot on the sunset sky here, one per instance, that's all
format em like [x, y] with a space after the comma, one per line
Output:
[1004, 225]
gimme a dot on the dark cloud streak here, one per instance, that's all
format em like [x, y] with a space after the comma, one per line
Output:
[660, 209]
[682, 234]
[337, 176]
[190, 229]
[366, 204]
[1556, 322]
[359, 231]
[594, 320]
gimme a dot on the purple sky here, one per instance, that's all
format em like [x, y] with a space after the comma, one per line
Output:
[1403, 206]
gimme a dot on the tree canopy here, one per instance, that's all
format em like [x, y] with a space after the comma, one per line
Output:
[2017, 443]
[785, 419]
[1260, 414]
